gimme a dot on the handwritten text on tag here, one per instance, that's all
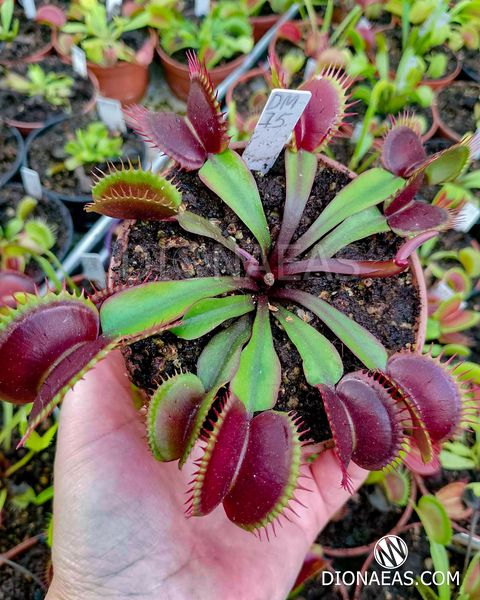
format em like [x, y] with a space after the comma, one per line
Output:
[280, 115]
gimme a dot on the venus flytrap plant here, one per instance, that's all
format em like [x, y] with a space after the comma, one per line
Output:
[252, 453]
[55, 89]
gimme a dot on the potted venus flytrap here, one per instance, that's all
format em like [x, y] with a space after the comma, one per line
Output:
[228, 387]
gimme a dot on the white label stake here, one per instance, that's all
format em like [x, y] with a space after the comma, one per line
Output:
[202, 8]
[467, 217]
[113, 8]
[280, 115]
[79, 61]
[29, 8]
[31, 182]
[110, 111]
[93, 269]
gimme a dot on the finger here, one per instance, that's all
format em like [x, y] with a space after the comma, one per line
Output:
[327, 475]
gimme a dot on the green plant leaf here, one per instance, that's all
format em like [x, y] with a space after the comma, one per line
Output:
[357, 227]
[200, 226]
[321, 362]
[220, 358]
[441, 564]
[207, 314]
[146, 306]
[397, 487]
[453, 462]
[257, 380]
[366, 190]
[228, 176]
[435, 520]
[425, 592]
[471, 582]
[360, 341]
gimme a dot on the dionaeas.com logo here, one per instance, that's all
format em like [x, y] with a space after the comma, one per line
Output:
[390, 552]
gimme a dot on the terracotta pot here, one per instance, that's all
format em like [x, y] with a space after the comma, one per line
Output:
[124, 81]
[178, 78]
[262, 24]
[41, 53]
[26, 128]
[243, 79]
[443, 128]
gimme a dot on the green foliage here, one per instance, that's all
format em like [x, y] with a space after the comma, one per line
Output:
[8, 25]
[94, 144]
[27, 497]
[99, 37]
[24, 237]
[224, 33]
[56, 89]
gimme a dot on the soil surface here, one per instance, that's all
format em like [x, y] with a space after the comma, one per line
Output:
[19, 524]
[31, 38]
[243, 93]
[31, 109]
[47, 151]
[363, 522]
[386, 307]
[457, 104]
[8, 149]
[470, 63]
[10, 196]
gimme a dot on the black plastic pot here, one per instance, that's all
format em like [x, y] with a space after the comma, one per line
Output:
[5, 178]
[64, 216]
[75, 203]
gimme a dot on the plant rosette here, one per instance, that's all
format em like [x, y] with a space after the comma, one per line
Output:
[51, 212]
[71, 182]
[12, 151]
[457, 109]
[29, 39]
[265, 348]
[33, 93]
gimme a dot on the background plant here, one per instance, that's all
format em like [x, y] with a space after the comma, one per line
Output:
[9, 26]
[94, 144]
[56, 89]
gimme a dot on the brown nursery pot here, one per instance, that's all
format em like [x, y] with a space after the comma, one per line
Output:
[124, 81]
[178, 77]
[45, 51]
[261, 24]
[444, 127]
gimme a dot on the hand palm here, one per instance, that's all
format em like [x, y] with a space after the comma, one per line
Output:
[119, 523]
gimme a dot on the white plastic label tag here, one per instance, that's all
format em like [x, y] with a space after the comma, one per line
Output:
[310, 69]
[442, 291]
[29, 8]
[113, 7]
[202, 8]
[110, 111]
[79, 61]
[93, 269]
[467, 217]
[31, 182]
[280, 115]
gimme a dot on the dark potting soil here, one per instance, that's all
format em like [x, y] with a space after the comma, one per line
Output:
[31, 109]
[314, 590]
[362, 524]
[418, 560]
[471, 63]
[31, 38]
[243, 93]
[47, 150]
[8, 149]
[10, 196]
[387, 307]
[457, 105]
[19, 524]
[135, 39]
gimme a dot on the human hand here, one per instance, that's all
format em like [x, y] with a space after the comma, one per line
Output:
[119, 525]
